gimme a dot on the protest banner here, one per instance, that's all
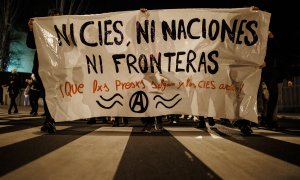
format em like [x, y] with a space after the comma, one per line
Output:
[133, 64]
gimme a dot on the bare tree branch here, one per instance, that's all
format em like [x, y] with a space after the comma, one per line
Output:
[71, 7]
[82, 7]
[15, 11]
[86, 7]
[62, 5]
[9, 13]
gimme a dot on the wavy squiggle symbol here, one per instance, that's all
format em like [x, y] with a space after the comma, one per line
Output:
[109, 99]
[108, 107]
[164, 98]
[167, 100]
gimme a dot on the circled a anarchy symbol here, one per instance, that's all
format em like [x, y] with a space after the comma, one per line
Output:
[139, 102]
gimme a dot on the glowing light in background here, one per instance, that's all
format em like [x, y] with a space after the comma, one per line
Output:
[21, 57]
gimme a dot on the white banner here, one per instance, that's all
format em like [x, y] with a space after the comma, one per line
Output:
[133, 64]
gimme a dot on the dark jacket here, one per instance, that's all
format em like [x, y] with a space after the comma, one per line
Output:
[13, 84]
[276, 67]
[35, 69]
[31, 44]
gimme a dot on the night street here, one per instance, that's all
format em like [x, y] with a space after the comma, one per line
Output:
[83, 151]
[190, 90]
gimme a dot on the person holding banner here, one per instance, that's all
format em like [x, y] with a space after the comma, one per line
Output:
[201, 122]
[94, 119]
[150, 121]
[49, 124]
[116, 121]
[273, 73]
[174, 119]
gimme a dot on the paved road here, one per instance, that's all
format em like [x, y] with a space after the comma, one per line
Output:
[99, 151]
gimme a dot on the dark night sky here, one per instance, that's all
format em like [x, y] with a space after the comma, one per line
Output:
[284, 19]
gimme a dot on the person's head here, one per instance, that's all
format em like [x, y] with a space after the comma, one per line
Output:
[14, 71]
[54, 12]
